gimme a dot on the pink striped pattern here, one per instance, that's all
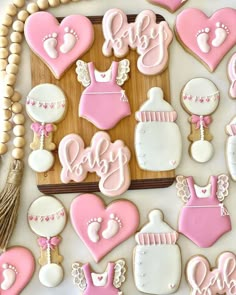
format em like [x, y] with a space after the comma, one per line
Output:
[157, 239]
[156, 116]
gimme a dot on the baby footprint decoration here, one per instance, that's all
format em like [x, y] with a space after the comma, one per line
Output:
[47, 218]
[209, 39]
[59, 45]
[45, 105]
[103, 228]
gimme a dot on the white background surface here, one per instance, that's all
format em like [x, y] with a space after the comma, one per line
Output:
[182, 68]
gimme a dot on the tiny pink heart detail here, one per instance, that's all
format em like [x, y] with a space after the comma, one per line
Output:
[172, 162]
[204, 191]
[172, 286]
[100, 278]
[51, 44]
[103, 75]
[88, 207]
[171, 5]
[208, 38]
[47, 218]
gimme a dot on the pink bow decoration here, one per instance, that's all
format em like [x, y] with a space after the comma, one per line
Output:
[42, 129]
[204, 120]
[44, 243]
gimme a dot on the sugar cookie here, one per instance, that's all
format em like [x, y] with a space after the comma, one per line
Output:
[232, 75]
[231, 148]
[171, 5]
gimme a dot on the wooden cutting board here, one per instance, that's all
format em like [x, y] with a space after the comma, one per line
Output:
[136, 89]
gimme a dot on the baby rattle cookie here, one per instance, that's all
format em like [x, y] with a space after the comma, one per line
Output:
[157, 257]
[171, 5]
[102, 227]
[232, 75]
[231, 148]
[149, 38]
[200, 98]
[103, 90]
[106, 283]
[45, 105]
[47, 218]
[158, 142]
[204, 218]
[219, 280]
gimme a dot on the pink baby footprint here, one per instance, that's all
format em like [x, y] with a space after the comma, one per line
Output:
[114, 224]
[70, 39]
[9, 275]
[49, 45]
[93, 229]
[221, 33]
[202, 40]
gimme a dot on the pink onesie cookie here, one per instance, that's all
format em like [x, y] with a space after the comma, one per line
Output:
[103, 228]
[232, 75]
[171, 5]
[151, 40]
[110, 161]
[106, 283]
[103, 102]
[208, 39]
[203, 219]
[220, 280]
[58, 45]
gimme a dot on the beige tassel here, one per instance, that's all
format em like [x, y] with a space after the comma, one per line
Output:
[9, 202]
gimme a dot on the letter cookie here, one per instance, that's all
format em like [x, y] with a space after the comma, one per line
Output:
[231, 148]
[104, 91]
[171, 5]
[47, 218]
[58, 45]
[220, 280]
[208, 39]
[103, 228]
[200, 98]
[109, 160]
[151, 40]
[203, 219]
[158, 143]
[45, 105]
[157, 257]
[106, 283]
[232, 75]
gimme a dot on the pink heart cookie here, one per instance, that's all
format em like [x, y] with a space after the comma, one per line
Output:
[16, 269]
[58, 45]
[103, 228]
[209, 39]
[171, 5]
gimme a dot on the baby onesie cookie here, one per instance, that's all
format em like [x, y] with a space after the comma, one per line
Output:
[151, 40]
[219, 280]
[208, 39]
[103, 228]
[158, 143]
[157, 257]
[200, 98]
[203, 219]
[103, 90]
[231, 148]
[45, 105]
[232, 75]
[17, 266]
[171, 5]
[110, 161]
[58, 45]
[106, 283]
[47, 218]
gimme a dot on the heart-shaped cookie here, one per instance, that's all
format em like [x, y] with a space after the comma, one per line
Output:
[171, 5]
[209, 39]
[102, 228]
[58, 45]
[16, 269]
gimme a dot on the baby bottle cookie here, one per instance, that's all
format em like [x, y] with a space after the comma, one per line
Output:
[47, 218]
[231, 148]
[200, 98]
[157, 257]
[45, 105]
[158, 143]
[232, 75]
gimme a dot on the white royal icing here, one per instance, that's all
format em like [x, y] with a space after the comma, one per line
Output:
[41, 160]
[201, 151]
[51, 275]
[99, 280]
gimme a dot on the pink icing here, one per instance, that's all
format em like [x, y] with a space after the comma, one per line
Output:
[109, 160]
[151, 40]
[23, 263]
[170, 4]
[221, 280]
[232, 75]
[75, 32]
[207, 38]
[87, 208]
